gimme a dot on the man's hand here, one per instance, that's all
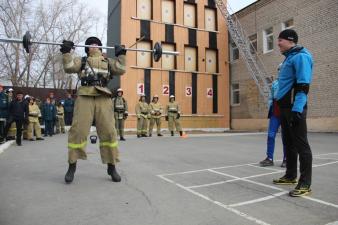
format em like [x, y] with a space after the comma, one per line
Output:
[66, 46]
[120, 50]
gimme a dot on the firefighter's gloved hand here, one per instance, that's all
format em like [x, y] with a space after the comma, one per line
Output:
[178, 116]
[66, 46]
[120, 50]
[166, 118]
[296, 117]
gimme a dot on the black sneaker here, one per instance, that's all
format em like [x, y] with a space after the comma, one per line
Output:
[266, 162]
[160, 135]
[285, 180]
[283, 165]
[300, 190]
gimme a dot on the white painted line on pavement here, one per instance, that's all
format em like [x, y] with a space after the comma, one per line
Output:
[259, 199]
[321, 201]
[233, 166]
[5, 145]
[235, 179]
[324, 164]
[237, 212]
[280, 189]
[266, 168]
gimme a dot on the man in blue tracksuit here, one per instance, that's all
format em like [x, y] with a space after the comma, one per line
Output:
[274, 124]
[294, 81]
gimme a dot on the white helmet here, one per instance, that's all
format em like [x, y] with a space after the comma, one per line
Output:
[119, 90]
[155, 96]
[172, 96]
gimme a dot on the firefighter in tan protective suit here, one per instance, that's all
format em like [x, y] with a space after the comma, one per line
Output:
[173, 115]
[33, 117]
[60, 118]
[156, 111]
[142, 113]
[93, 103]
[120, 113]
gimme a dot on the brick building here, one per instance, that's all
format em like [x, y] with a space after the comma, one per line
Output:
[198, 76]
[316, 23]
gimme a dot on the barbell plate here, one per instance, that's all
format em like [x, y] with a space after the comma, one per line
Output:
[157, 52]
[26, 41]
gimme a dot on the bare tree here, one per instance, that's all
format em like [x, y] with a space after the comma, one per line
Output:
[47, 21]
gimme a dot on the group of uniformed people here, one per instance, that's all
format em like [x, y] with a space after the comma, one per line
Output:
[151, 114]
[20, 117]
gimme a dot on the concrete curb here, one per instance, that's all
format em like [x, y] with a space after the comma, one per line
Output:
[5, 145]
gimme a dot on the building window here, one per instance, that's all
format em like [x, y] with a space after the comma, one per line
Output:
[190, 15]
[253, 41]
[190, 55]
[168, 61]
[268, 40]
[144, 59]
[168, 11]
[210, 19]
[288, 24]
[234, 52]
[211, 61]
[144, 9]
[235, 96]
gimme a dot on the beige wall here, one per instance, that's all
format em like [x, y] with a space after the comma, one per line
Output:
[130, 31]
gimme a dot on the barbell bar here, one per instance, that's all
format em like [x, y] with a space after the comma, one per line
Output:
[27, 42]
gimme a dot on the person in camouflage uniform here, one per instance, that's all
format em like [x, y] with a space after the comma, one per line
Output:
[60, 118]
[33, 116]
[173, 114]
[142, 113]
[93, 103]
[120, 112]
[156, 111]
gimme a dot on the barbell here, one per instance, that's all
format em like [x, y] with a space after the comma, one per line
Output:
[27, 43]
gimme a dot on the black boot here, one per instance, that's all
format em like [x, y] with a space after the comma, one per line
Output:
[181, 133]
[111, 170]
[122, 138]
[172, 133]
[69, 177]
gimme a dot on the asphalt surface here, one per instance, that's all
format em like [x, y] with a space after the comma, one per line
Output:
[201, 180]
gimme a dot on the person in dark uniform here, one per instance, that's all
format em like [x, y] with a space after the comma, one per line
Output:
[18, 113]
[294, 81]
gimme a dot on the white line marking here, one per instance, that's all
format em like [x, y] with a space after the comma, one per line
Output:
[280, 189]
[5, 145]
[232, 180]
[266, 168]
[237, 212]
[324, 164]
[250, 181]
[316, 157]
[321, 201]
[232, 166]
[259, 199]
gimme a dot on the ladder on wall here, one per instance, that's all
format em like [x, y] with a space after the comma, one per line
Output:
[252, 61]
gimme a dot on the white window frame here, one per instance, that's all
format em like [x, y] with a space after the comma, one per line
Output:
[253, 50]
[265, 40]
[284, 27]
[232, 94]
